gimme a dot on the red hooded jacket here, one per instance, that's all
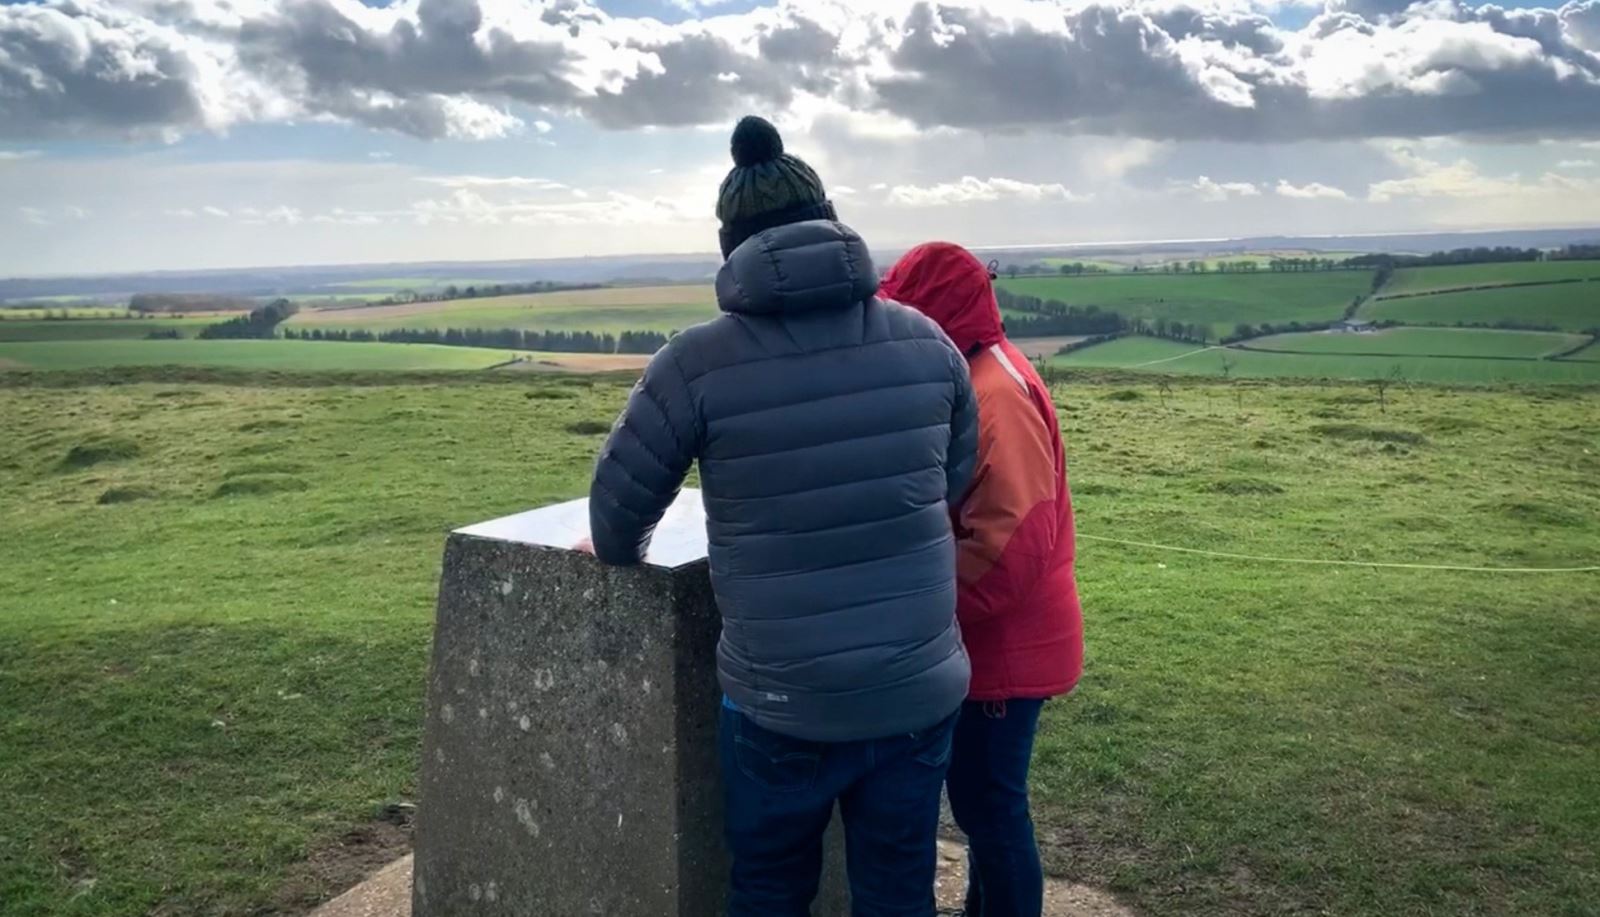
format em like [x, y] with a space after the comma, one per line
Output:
[1018, 597]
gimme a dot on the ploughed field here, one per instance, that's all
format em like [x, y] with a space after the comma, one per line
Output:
[216, 609]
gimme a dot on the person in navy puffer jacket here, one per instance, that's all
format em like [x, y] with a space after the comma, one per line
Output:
[833, 430]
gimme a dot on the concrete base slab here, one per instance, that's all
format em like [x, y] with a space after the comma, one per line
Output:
[388, 892]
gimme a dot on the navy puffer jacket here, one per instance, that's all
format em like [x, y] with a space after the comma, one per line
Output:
[831, 430]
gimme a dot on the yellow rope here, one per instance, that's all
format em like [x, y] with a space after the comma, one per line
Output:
[1339, 563]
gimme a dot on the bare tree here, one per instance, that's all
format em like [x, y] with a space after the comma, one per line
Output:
[1164, 388]
[1382, 384]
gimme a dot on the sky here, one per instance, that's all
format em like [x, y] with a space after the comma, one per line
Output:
[180, 134]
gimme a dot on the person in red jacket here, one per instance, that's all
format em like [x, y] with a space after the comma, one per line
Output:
[1017, 599]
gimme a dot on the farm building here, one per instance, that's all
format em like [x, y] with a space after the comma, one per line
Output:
[1353, 326]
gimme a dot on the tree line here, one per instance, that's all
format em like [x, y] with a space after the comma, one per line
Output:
[1052, 317]
[188, 302]
[262, 322]
[645, 342]
[477, 291]
[1479, 255]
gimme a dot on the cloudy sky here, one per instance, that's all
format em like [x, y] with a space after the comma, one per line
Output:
[144, 134]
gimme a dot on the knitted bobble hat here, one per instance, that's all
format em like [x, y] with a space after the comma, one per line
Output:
[766, 187]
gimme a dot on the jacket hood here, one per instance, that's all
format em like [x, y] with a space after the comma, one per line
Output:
[798, 267]
[950, 285]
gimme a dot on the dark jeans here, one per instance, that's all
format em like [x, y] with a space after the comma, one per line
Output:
[780, 794]
[988, 788]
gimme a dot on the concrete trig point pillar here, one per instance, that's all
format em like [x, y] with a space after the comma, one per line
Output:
[570, 757]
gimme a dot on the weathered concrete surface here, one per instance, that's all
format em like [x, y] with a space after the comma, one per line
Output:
[388, 892]
[570, 755]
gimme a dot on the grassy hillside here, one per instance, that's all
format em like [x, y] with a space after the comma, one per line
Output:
[276, 355]
[1172, 357]
[1589, 354]
[1569, 306]
[1219, 300]
[213, 648]
[1459, 342]
[663, 308]
[1455, 276]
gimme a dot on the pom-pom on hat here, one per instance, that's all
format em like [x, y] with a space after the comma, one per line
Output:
[766, 187]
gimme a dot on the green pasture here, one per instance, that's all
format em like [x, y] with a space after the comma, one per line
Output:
[1220, 301]
[614, 310]
[92, 329]
[1173, 357]
[1568, 306]
[73, 312]
[216, 610]
[1455, 276]
[275, 355]
[1590, 354]
[396, 284]
[1454, 342]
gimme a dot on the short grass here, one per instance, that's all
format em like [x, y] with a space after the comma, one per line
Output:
[1568, 306]
[1455, 276]
[659, 308]
[276, 355]
[91, 329]
[1219, 301]
[1590, 354]
[1457, 342]
[1171, 357]
[215, 615]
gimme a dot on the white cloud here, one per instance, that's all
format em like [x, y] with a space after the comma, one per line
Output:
[1149, 69]
[380, 154]
[975, 190]
[182, 213]
[1576, 164]
[1463, 179]
[16, 155]
[34, 215]
[1311, 191]
[1207, 190]
[214, 211]
[492, 181]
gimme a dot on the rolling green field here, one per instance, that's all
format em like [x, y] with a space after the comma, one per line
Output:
[1173, 357]
[1590, 354]
[27, 314]
[86, 329]
[1457, 342]
[1569, 306]
[1455, 276]
[276, 355]
[616, 309]
[1218, 300]
[213, 644]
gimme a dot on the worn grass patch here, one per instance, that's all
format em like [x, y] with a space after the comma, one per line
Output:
[1243, 487]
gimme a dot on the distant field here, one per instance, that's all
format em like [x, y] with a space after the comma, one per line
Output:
[1569, 306]
[279, 355]
[1456, 342]
[1219, 301]
[658, 308]
[1174, 357]
[1590, 354]
[1454, 276]
[85, 329]
[413, 283]
[28, 314]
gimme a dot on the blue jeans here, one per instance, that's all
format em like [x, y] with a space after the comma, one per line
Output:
[988, 788]
[780, 793]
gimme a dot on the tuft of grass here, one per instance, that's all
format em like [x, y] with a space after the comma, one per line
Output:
[589, 427]
[1243, 487]
[99, 451]
[1124, 394]
[259, 484]
[126, 494]
[1356, 431]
